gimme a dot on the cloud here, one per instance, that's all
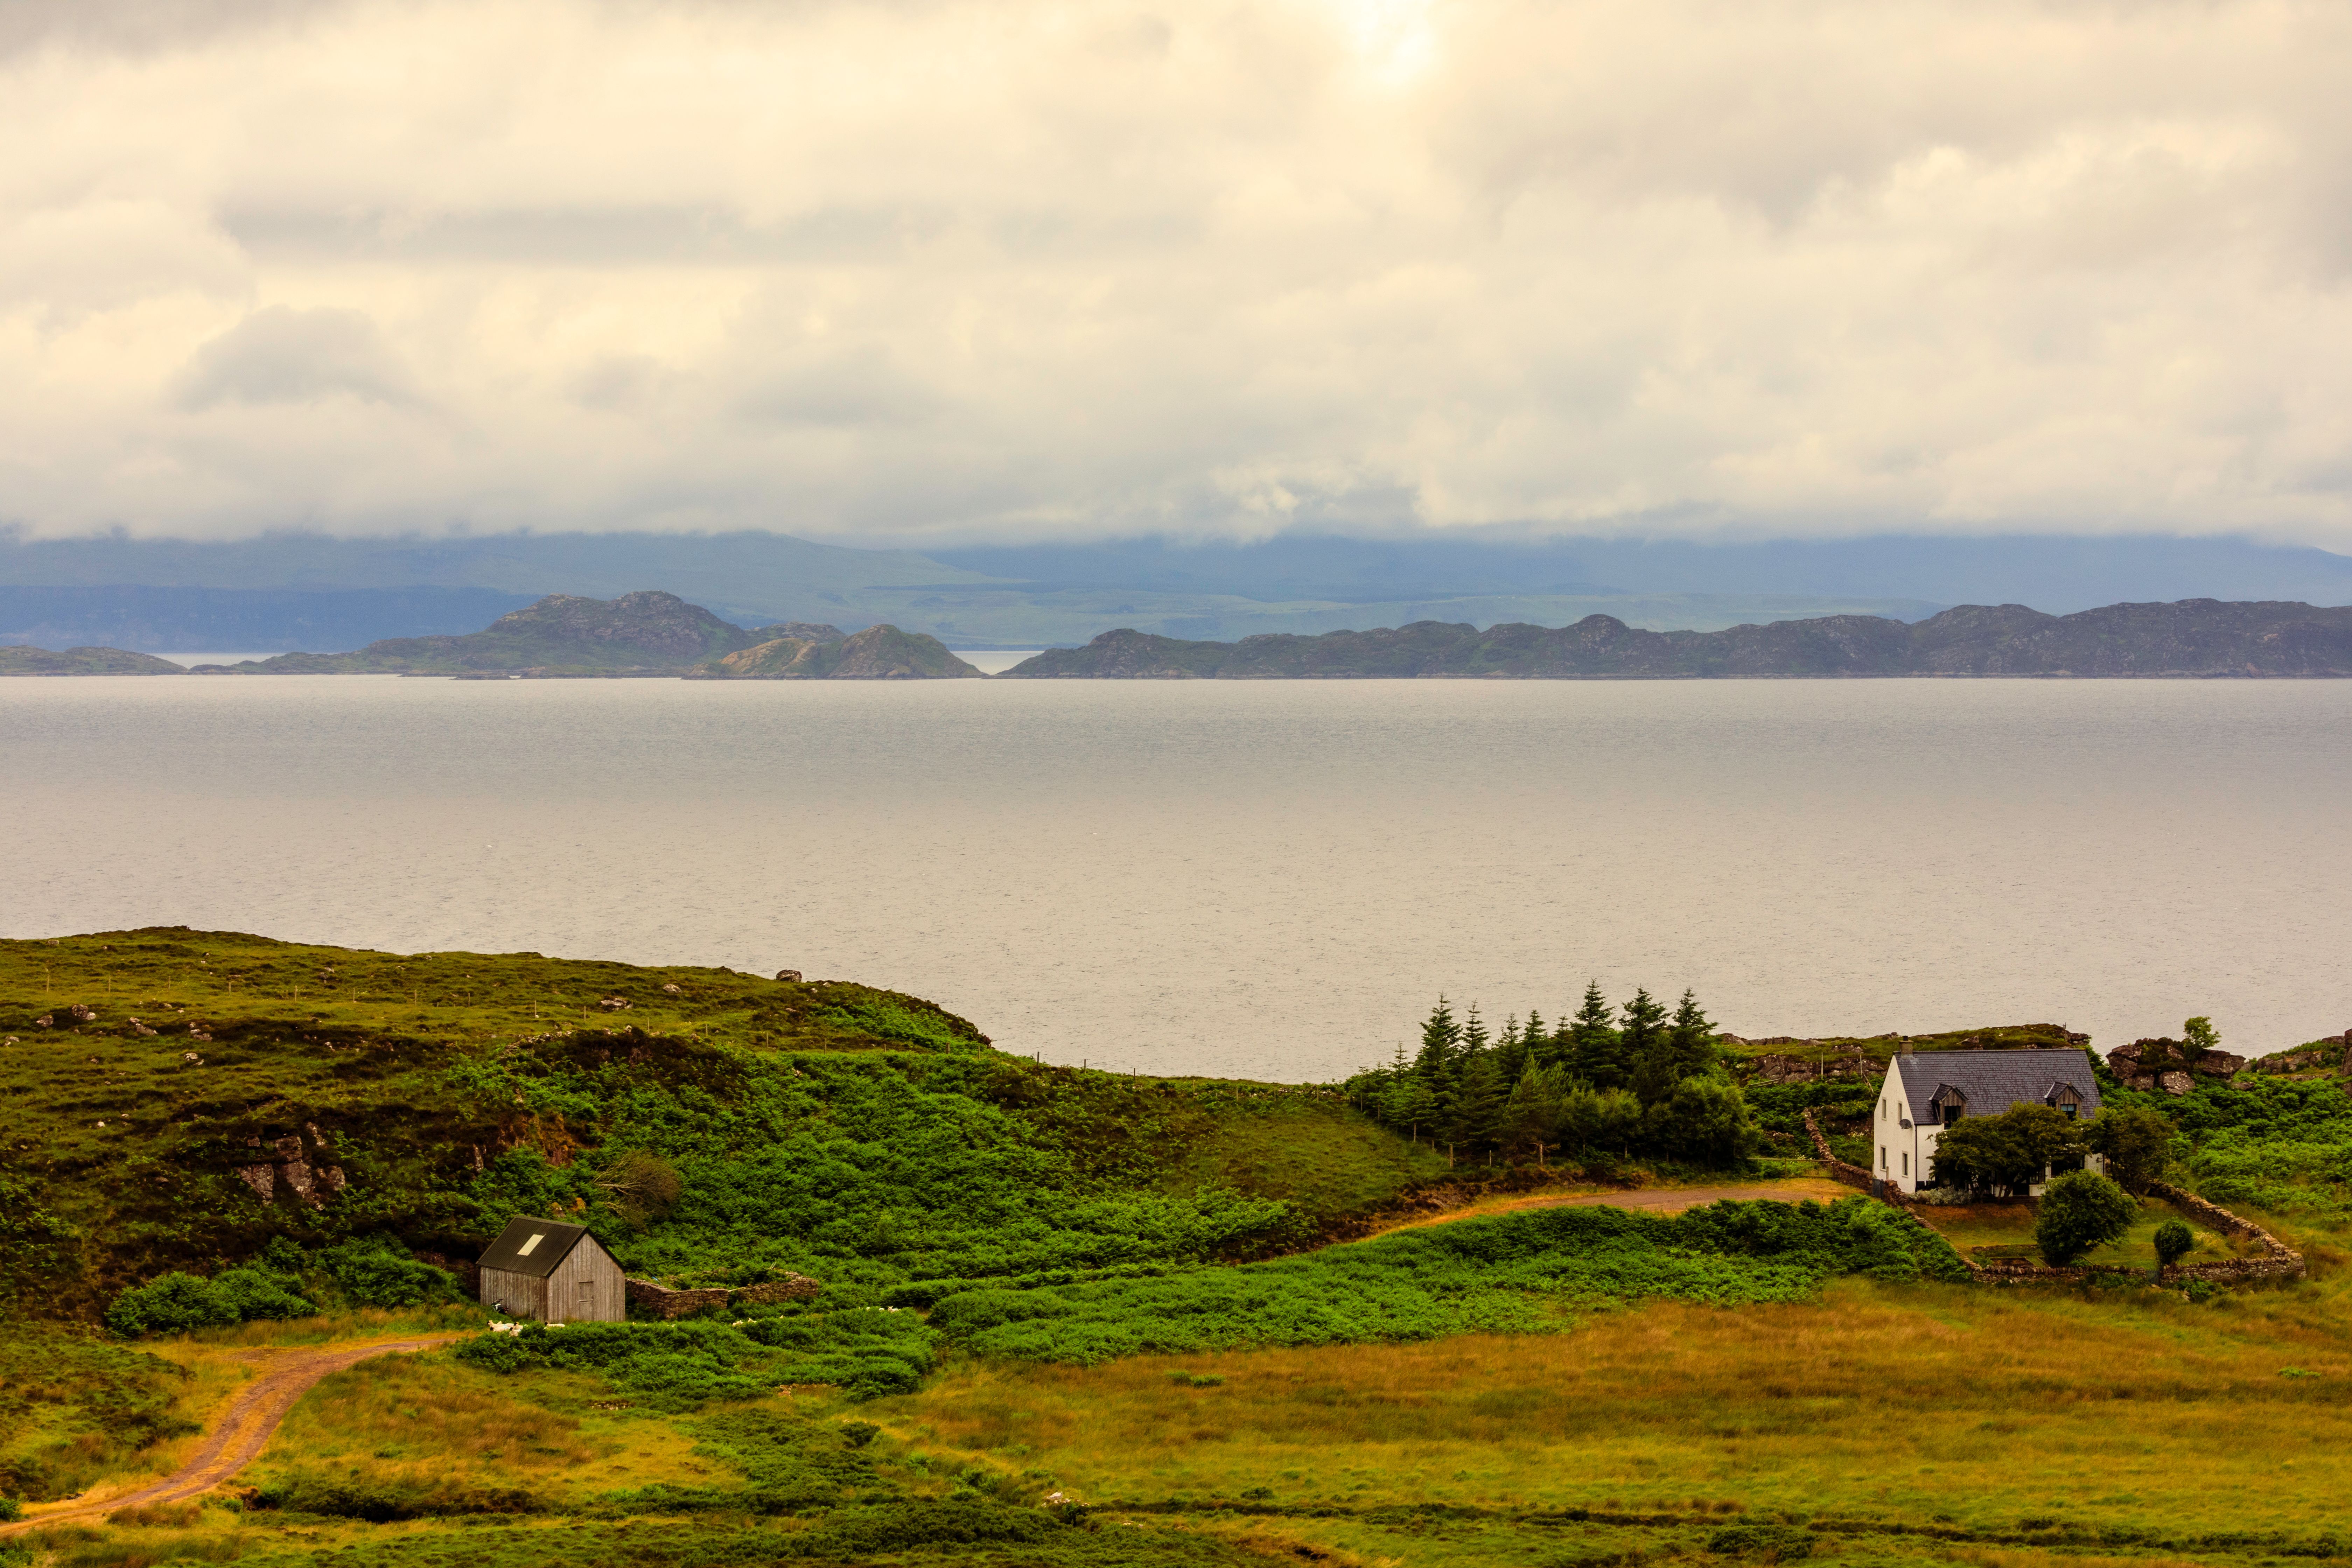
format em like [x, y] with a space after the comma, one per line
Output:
[285, 356]
[952, 270]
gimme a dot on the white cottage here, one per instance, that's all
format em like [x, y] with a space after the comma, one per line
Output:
[1924, 1094]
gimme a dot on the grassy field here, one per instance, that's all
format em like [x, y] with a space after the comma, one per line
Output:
[1073, 1317]
[1990, 1231]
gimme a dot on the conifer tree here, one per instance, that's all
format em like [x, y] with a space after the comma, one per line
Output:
[1641, 1044]
[1440, 1041]
[1537, 1040]
[1690, 1039]
[1592, 1044]
[1474, 1033]
[1511, 1055]
[1478, 1118]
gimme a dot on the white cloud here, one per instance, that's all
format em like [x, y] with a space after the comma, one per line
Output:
[947, 268]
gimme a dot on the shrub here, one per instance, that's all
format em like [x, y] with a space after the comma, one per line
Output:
[2007, 1151]
[2173, 1240]
[378, 1272]
[11, 1511]
[170, 1304]
[2080, 1211]
[259, 1294]
[2134, 1143]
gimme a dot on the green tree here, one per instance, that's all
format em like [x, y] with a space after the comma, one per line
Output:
[1599, 1119]
[1532, 1114]
[2079, 1211]
[1542, 1051]
[2173, 1240]
[2007, 1152]
[1704, 1120]
[1441, 1042]
[1474, 1032]
[1594, 1049]
[1477, 1119]
[2134, 1143]
[2198, 1036]
[1511, 1054]
[1641, 1039]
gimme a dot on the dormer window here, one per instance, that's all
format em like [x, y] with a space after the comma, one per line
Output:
[1949, 1106]
[2066, 1097]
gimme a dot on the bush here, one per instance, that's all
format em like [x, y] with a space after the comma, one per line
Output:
[170, 1304]
[259, 1294]
[2080, 1211]
[2135, 1144]
[11, 1511]
[379, 1272]
[2173, 1240]
[2007, 1152]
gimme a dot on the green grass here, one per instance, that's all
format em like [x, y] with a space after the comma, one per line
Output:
[859, 1136]
[2009, 1226]
[1512, 1273]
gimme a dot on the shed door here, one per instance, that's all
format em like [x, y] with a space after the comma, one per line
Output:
[587, 1298]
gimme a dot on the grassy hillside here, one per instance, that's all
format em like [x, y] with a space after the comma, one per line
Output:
[860, 1136]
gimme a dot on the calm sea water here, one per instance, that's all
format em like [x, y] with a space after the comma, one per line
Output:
[1271, 880]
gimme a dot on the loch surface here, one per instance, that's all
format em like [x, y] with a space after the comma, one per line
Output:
[1268, 880]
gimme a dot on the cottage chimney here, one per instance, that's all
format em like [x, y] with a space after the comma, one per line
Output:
[1909, 1048]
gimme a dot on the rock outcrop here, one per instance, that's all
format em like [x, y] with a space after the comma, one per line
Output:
[2167, 1065]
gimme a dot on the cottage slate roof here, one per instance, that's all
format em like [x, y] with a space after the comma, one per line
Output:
[532, 1246]
[1992, 1081]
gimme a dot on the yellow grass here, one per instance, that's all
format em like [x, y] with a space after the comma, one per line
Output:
[1924, 1402]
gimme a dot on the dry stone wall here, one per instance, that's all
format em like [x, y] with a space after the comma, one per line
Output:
[661, 1302]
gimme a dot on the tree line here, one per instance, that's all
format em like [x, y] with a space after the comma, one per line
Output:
[1635, 1080]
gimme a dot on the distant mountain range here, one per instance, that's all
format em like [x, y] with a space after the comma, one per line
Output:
[328, 595]
[653, 633]
[2192, 637]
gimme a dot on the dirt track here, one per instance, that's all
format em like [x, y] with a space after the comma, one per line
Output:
[243, 1429]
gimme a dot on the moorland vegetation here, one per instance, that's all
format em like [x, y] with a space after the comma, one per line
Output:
[1085, 1318]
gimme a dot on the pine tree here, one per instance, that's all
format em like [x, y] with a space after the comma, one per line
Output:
[1641, 1039]
[1474, 1033]
[1441, 1042]
[1690, 1040]
[1593, 1054]
[1478, 1118]
[1511, 1055]
[1537, 1040]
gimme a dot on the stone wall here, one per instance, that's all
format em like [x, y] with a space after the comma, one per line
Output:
[1855, 1176]
[661, 1302]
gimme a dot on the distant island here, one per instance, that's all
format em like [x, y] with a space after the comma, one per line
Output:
[642, 634]
[651, 633]
[2195, 638]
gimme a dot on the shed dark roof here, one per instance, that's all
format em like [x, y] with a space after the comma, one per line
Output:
[1992, 1081]
[533, 1245]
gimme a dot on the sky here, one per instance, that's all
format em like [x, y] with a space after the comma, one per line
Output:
[921, 271]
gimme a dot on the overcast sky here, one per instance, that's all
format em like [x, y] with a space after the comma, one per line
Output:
[1007, 270]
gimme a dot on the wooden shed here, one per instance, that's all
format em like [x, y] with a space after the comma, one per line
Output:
[554, 1273]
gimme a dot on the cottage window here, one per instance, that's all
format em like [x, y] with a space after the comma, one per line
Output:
[1906, 1162]
[1952, 1114]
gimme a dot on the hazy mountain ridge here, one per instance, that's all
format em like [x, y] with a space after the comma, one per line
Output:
[2191, 638]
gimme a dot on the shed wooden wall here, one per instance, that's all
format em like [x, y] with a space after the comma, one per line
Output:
[587, 1286]
[525, 1295]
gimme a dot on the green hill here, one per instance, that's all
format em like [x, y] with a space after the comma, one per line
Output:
[861, 1136]
[645, 633]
